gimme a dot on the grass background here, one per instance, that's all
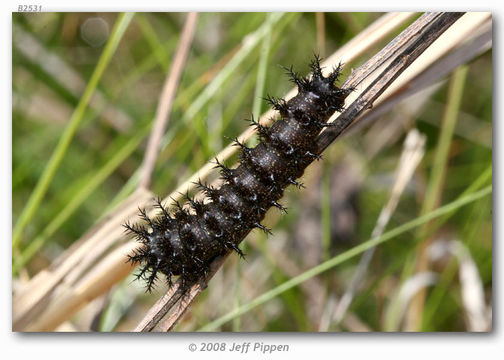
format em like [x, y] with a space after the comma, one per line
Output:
[56, 54]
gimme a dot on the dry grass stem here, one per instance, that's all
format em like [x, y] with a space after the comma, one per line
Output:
[414, 148]
[166, 100]
[479, 318]
[367, 98]
[30, 302]
[437, 71]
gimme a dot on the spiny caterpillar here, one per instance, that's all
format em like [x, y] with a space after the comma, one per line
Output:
[185, 243]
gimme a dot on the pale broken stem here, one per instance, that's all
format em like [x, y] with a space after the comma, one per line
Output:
[471, 285]
[166, 100]
[399, 303]
[363, 102]
[414, 149]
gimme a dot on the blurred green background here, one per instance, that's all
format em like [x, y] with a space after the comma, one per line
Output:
[54, 57]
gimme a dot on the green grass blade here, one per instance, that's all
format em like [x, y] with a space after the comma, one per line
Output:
[346, 256]
[77, 200]
[152, 39]
[262, 67]
[455, 93]
[249, 44]
[50, 170]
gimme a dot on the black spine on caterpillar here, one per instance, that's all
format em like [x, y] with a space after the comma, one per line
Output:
[185, 243]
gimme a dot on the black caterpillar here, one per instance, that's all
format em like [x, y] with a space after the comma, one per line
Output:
[186, 243]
